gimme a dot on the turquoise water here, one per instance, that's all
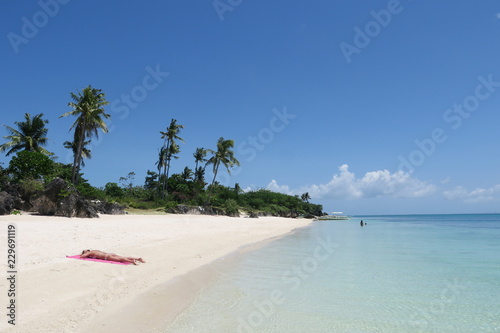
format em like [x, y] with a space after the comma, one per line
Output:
[414, 273]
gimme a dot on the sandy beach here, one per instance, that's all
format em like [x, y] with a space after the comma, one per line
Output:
[58, 294]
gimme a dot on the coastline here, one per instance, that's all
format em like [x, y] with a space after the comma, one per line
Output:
[67, 295]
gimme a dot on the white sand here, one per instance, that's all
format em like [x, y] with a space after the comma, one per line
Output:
[57, 294]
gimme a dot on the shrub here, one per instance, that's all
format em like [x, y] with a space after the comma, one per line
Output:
[90, 192]
[170, 205]
[31, 186]
[113, 190]
[29, 164]
[231, 207]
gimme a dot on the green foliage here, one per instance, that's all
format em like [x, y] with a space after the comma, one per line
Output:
[31, 186]
[90, 192]
[223, 155]
[4, 176]
[30, 135]
[62, 171]
[31, 165]
[113, 190]
[32, 169]
[15, 212]
[231, 207]
[277, 204]
[170, 205]
[88, 107]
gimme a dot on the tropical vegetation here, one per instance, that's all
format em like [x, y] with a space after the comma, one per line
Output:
[32, 167]
[31, 135]
[88, 107]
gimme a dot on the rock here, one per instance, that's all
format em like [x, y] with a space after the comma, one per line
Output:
[58, 198]
[185, 209]
[83, 208]
[111, 208]
[21, 201]
[6, 203]
[253, 215]
[45, 206]
[61, 199]
[195, 210]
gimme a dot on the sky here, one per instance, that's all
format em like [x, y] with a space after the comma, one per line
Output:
[372, 107]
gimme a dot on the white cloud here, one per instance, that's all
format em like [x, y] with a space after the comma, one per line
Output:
[273, 186]
[345, 185]
[476, 195]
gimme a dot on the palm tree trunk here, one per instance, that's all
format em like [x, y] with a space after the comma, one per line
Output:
[167, 171]
[216, 169]
[167, 168]
[78, 155]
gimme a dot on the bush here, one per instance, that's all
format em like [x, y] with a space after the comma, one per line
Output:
[231, 208]
[31, 165]
[31, 186]
[170, 205]
[113, 190]
[90, 192]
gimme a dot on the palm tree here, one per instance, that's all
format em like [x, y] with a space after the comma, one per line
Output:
[162, 160]
[170, 147]
[199, 174]
[224, 155]
[187, 174]
[86, 153]
[305, 197]
[199, 156]
[171, 152]
[160, 165]
[88, 107]
[30, 135]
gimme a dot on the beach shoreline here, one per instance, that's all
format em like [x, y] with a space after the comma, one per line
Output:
[57, 294]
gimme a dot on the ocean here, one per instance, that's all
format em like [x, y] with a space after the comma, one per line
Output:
[407, 273]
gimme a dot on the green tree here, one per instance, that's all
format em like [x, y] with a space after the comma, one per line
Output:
[86, 153]
[224, 154]
[151, 181]
[162, 160]
[199, 156]
[199, 175]
[305, 197]
[30, 135]
[31, 165]
[187, 174]
[88, 107]
[113, 190]
[170, 148]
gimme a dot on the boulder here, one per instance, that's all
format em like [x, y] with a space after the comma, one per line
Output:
[6, 203]
[73, 205]
[111, 208]
[185, 209]
[61, 199]
[44, 205]
[195, 210]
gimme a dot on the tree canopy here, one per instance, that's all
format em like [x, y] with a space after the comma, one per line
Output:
[30, 135]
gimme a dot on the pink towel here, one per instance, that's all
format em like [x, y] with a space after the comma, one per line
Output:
[77, 256]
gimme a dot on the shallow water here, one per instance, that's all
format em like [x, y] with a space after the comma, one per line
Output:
[414, 273]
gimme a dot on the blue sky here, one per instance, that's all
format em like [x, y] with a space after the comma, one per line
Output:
[373, 107]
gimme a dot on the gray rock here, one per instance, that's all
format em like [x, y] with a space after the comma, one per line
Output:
[6, 203]
[61, 199]
[111, 208]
